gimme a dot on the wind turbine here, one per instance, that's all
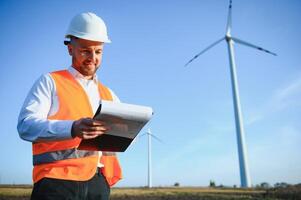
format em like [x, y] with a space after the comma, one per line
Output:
[240, 134]
[149, 136]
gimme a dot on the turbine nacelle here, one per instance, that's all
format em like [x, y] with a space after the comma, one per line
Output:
[228, 38]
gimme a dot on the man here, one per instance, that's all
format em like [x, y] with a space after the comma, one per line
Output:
[57, 115]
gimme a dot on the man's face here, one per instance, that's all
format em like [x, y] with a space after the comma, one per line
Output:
[86, 56]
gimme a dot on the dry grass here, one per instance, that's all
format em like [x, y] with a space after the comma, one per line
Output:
[185, 194]
[179, 190]
[15, 191]
[172, 193]
[18, 192]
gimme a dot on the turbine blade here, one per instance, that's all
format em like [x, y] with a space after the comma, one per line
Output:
[252, 45]
[206, 49]
[229, 20]
[155, 137]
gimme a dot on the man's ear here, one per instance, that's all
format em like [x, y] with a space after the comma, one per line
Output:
[70, 49]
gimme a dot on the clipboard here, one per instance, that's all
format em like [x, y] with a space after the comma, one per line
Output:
[125, 122]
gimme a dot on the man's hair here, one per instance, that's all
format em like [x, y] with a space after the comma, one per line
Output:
[72, 39]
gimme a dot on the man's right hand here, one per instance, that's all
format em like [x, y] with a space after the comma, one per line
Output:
[88, 128]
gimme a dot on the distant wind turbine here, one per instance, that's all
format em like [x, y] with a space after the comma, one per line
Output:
[149, 136]
[242, 151]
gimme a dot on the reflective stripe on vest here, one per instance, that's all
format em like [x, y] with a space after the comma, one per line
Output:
[50, 157]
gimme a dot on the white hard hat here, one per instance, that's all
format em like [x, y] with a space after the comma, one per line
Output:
[88, 26]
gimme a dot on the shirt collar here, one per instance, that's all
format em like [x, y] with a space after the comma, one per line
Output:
[77, 75]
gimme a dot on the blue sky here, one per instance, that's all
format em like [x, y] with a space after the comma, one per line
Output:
[144, 64]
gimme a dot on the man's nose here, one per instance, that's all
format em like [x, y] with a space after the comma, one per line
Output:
[92, 56]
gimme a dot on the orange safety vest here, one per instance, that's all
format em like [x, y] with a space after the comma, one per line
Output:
[62, 159]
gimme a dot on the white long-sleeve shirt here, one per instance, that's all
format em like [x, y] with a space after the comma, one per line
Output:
[42, 101]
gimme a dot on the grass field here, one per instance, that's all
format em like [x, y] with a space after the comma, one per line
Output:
[22, 192]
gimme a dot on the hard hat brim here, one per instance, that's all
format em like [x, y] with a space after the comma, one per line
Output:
[88, 37]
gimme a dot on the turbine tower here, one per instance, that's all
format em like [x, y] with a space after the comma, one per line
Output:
[240, 134]
[149, 136]
[150, 184]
